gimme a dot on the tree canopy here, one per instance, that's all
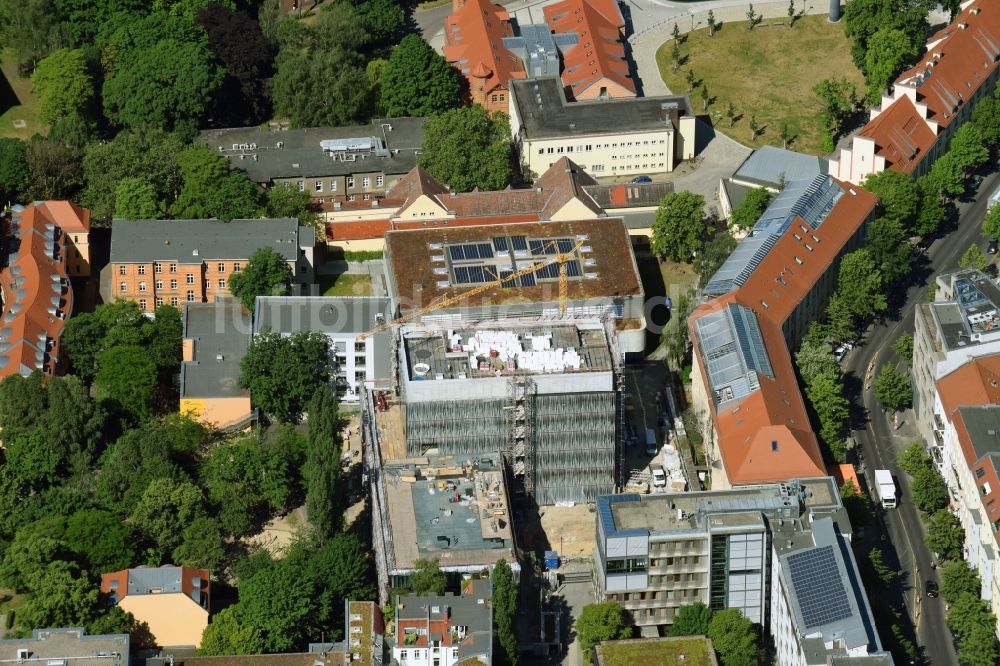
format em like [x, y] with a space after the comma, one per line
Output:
[427, 578]
[63, 83]
[13, 169]
[417, 81]
[945, 534]
[266, 274]
[284, 372]
[600, 622]
[691, 620]
[751, 208]
[324, 504]
[734, 638]
[679, 228]
[892, 388]
[466, 148]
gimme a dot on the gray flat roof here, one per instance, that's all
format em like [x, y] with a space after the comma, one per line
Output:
[221, 334]
[545, 113]
[983, 425]
[325, 314]
[69, 644]
[194, 241]
[667, 512]
[825, 592]
[471, 610]
[769, 165]
[300, 154]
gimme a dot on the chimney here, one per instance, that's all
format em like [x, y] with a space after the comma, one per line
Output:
[834, 11]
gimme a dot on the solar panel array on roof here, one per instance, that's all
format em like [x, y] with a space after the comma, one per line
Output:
[733, 351]
[498, 259]
[819, 588]
[812, 200]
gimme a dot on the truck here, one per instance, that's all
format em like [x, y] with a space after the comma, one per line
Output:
[886, 488]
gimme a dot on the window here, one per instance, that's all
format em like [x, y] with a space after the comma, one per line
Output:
[142, 303]
[985, 488]
[123, 287]
[222, 284]
[190, 297]
[590, 147]
[319, 185]
[980, 473]
[367, 197]
[541, 151]
[551, 150]
[333, 186]
[173, 268]
[236, 268]
[157, 267]
[159, 302]
[302, 186]
[350, 181]
[121, 270]
[142, 269]
[173, 284]
[173, 301]
[190, 278]
[597, 167]
[159, 284]
[350, 197]
[222, 267]
[502, 97]
[494, 99]
[379, 181]
[359, 347]
[142, 286]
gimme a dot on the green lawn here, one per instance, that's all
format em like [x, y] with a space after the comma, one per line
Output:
[768, 72]
[657, 653]
[345, 285]
[17, 102]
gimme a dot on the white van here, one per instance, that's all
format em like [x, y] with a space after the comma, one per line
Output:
[659, 478]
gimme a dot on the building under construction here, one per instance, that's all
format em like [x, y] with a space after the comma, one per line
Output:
[546, 394]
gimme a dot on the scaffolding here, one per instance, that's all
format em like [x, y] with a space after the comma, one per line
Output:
[617, 361]
[519, 424]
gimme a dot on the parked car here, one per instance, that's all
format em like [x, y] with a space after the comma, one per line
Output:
[976, 181]
[992, 247]
[642, 180]
[931, 588]
[659, 478]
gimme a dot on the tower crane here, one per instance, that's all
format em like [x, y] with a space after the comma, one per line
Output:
[560, 257]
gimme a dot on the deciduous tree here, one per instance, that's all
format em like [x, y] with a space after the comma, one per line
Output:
[691, 620]
[893, 389]
[889, 51]
[467, 148]
[991, 223]
[427, 578]
[600, 622]
[930, 494]
[13, 170]
[903, 346]
[286, 200]
[236, 41]
[283, 373]
[839, 99]
[137, 199]
[859, 276]
[958, 578]
[973, 258]
[127, 377]
[733, 638]
[715, 253]
[947, 176]
[751, 208]
[320, 88]
[226, 635]
[504, 609]
[165, 509]
[266, 274]
[945, 535]
[63, 83]
[167, 86]
[968, 147]
[321, 473]
[862, 20]
[101, 538]
[417, 81]
[897, 194]
[54, 170]
[679, 228]
[881, 569]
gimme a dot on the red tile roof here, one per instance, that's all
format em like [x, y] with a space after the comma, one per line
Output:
[959, 59]
[599, 53]
[36, 291]
[357, 229]
[473, 43]
[766, 436]
[976, 382]
[901, 135]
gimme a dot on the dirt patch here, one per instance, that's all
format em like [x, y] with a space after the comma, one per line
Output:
[569, 530]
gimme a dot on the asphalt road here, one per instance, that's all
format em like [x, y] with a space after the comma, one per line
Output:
[880, 448]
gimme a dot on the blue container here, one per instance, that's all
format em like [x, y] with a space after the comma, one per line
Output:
[551, 560]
